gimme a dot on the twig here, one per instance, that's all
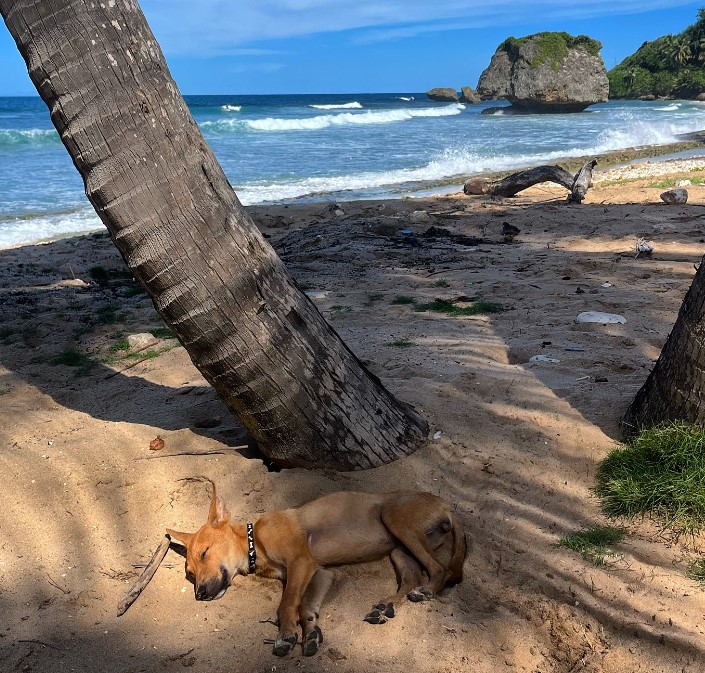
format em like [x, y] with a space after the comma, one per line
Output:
[192, 453]
[143, 580]
[40, 642]
[60, 588]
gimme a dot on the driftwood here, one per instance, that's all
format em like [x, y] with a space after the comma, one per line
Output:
[582, 182]
[143, 580]
[517, 182]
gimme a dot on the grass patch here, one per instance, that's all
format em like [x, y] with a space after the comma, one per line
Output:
[593, 543]
[661, 472]
[441, 283]
[402, 343]
[132, 290]
[79, 360]
[373, 297]
[697, 571]
[101, 275]
[403, 299]
[107, 315]
[122, 344]
[162, 333]
[455, 310]
[669, 183]
[339, 309]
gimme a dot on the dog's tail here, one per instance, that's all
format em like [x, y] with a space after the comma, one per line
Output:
[460, 551]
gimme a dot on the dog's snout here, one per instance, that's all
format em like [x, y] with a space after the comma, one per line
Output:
[201, 593]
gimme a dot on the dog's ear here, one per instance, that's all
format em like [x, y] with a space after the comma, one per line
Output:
[184, 538]
[217, 514]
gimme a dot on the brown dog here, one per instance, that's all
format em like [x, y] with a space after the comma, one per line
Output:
[297, 545]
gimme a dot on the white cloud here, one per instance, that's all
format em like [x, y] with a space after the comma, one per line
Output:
[206, 27]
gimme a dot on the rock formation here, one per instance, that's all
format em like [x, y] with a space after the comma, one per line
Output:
[443, 94]
[547, 72]
[468, 95]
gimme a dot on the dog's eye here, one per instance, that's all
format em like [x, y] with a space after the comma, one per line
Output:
[203, 554]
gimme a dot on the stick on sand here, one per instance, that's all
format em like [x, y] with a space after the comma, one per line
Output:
[143, 580]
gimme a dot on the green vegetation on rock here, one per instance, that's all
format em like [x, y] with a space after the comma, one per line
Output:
[672, 65]
[551, 47]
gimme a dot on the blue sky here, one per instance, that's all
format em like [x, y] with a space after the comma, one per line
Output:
[351, 46]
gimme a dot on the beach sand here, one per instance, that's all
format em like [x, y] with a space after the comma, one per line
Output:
[84, 498]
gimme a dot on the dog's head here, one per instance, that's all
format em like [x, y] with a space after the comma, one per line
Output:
[215, 553]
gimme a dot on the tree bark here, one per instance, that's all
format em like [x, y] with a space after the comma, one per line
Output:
[158, 188]
[675, 389]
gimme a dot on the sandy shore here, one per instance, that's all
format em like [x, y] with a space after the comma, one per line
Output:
[84, 498]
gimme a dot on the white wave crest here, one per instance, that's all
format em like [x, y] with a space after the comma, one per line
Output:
[406, 98]
[23, 230]
[669, 108]
[26, 136]
[350, 118]
[338, 106]
[231, 108]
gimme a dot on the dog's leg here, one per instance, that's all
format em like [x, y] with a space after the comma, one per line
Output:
[412, 534]
[409, 576]
[298, 575]
[310, 609]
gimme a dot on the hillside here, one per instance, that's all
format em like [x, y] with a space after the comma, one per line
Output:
[672, 66]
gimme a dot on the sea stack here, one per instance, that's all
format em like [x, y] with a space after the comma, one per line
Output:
[546, 72]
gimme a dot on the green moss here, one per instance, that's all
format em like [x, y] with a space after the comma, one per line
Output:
[551, 47]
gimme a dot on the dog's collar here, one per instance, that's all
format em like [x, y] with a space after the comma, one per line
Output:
[251, 553]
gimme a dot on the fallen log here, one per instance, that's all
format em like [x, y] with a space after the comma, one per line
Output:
[143, 580]
[517, 182]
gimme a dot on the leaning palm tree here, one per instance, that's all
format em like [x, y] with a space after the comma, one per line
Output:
[176, 221]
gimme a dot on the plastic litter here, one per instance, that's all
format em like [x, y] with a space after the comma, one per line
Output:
[601, 318]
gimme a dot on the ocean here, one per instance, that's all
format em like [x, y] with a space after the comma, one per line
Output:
[282, 148]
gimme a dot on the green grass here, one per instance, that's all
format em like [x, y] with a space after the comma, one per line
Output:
[339, 309]
[593, 543]
[441, 283]
[79, 360]
[102, 275]
[660, 473]
[671, 182]
[401, 343]
[696, 571]
[107, 315]
[162, 333]
[122, 344]
[403, 299]
[455, 310]
[373, 297]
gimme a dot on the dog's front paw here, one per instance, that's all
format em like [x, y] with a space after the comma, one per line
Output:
[419, 594]
[312, 642]
[380, 613]
[284, 645]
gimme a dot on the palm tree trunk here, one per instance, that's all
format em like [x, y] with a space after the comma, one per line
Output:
[675, 389]
[171, 212]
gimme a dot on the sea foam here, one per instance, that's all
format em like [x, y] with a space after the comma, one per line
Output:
[338, 106]
[350, 118]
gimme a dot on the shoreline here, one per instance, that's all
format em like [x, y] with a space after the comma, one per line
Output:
[662, 160]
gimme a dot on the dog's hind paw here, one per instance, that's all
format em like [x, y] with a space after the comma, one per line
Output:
[282, 646]
[419, 594]
[312, 642]
[380, 614]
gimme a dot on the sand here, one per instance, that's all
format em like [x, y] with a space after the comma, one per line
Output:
[516, 449]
